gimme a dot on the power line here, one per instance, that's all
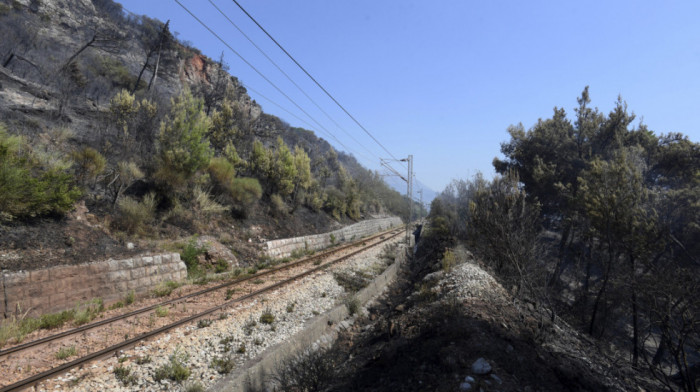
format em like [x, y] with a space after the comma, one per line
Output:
[256, 70]
[300, 119]
[314, 80]
[289, 78]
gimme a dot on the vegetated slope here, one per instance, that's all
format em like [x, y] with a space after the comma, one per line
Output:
[596, 221]
[448, 325]
[152, 140]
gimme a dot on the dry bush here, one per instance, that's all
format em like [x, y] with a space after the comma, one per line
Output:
[309, 370]
[133, 216]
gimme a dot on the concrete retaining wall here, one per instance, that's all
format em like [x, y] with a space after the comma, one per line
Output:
[319, 331]
[61, 288]
[284, 247]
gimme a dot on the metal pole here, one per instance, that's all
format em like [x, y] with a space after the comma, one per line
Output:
[409, 193]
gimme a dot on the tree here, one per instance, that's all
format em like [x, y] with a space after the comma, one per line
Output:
[122, 108]
[302, 180]
[503, 228]
[32, 183]
[182, 147]
[215, 91]
[119, 178]
[89, 164]
[283, 170]
[624, 205]
[224, 129]
[153, 40]
[104, 40]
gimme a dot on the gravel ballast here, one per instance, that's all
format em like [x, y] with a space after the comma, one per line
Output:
[236, 336]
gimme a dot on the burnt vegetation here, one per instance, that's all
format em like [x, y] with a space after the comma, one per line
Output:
[158, 140]
[597, 221]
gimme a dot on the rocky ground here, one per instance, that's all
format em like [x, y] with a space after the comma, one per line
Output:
[230, 339]
[459, 330]
[85, 235]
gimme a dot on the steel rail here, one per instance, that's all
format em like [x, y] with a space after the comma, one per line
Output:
[114, 349]
[136, 312]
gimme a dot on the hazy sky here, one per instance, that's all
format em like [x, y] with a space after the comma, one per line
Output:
[442, 80]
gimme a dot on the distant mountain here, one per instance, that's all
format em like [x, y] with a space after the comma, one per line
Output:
[400, 186]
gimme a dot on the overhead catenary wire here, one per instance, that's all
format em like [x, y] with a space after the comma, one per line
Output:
[315, 81]
[290, 78]
[257, 71]
[299, 118]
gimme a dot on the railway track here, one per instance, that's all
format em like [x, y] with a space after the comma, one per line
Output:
[202, 303]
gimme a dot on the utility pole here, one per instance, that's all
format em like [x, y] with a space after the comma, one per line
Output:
[421, 198]
[409, 193]
[409, 190]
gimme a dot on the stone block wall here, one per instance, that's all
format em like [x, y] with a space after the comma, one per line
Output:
[61, 288]
[284, 247]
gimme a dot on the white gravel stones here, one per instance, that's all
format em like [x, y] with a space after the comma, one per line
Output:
[241, 335]
[467, 281]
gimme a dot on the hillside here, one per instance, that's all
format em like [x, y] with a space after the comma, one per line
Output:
[115, 132]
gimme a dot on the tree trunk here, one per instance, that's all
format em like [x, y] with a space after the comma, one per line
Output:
[601, 292]
[635, 320]
[160, 47]
[9, 59]
[145, 65]
[76, 54]
[563, 247]
[635, 330]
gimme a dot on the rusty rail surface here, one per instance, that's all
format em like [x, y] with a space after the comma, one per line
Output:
[48, 374]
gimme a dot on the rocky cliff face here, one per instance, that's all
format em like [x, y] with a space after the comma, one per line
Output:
[43, 35]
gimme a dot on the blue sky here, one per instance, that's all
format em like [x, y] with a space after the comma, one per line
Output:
[442, 80]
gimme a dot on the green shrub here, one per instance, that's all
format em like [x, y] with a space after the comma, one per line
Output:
[117, 73]
[130, 297]
[353, 305]
[117, 305]
[89, 163]
[279, 207]
[17, 329]
[66, 352]
[221, 266]
[203, 323]
[55, 320]
[84, 313]
[135, 216]
[223, 365]
[175, 369]
[161, 311]
[32, 183]
[245, 192]
[352, 281]
[221, 172]
[335, 203]
[448, 260]
[165, 288]
[267, 317]
[189, 255]
[123, 374]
